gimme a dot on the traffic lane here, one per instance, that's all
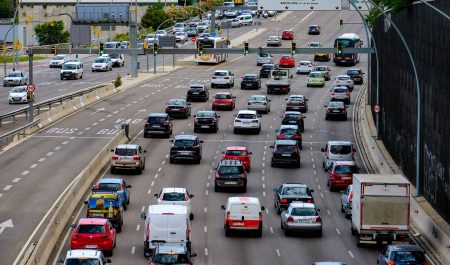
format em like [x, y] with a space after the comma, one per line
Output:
[38, 171]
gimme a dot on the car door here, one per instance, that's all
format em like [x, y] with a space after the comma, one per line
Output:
[383, 257]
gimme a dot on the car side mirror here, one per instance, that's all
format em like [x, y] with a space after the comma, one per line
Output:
[145, 151]
[193, 255]
[222, 207]
[342, 192]
[292, 76]
[171, 141]
[112, 150]
[108, 261]
[195, 116]
[191, 196]
[306, 99]
[322, 149]
[311, 190]
[234, 96]
[318, 210]
[189, 104]
[129, 186]
[218, 116]
[271, 146]
[274, 189]
[73, 226]
[201, 141]
[143, 216]
[251, 153]
[263, 208]
[156, 195]
[85, 202]
[325, 106]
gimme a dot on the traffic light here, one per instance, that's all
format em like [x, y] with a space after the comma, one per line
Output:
[341, 23]
[246, 51]
[101, 49]
[200, 49]
[293, 48]
[155, 49]
[338, 49]
[53, 50]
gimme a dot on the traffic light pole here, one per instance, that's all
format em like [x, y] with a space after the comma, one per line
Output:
[30, 81]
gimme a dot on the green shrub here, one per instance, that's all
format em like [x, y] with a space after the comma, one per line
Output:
[118, 81]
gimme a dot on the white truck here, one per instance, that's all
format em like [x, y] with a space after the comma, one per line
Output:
[279, 81]
[380, 209]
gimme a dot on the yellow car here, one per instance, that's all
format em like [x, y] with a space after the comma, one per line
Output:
[315, 79]
[319, 56]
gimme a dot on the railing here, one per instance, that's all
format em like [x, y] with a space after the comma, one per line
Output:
[8, 137]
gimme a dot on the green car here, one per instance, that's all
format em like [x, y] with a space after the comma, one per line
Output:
[315, 79]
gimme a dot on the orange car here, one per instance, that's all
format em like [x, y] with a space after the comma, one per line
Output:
[239, 153]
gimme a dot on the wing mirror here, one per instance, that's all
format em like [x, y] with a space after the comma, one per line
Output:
[222, 207]
[143, 216]
[311, 190]
[191, 196]
[193, 255]
[274, 189]
[156, 195]
[201, 141]
[322, 149]
[73, 226]
[250, 153]
[263, 208]
[108, 261]
[218, 116]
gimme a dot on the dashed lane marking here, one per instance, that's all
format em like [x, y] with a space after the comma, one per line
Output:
[328, 212]
[271, 230]
[7, 187]
[65, 142]
[26, 172]
[205, 229]
[149, 191]
[143, 207]
[42, 159]
[133, 249]
[57, 148]
[16, 180]
[278, 252]
[49, 153]
[337, 231]
[205, 209]
[138, 227]
[156, 176]
[351, 254]
[153, 183]
[206, 252]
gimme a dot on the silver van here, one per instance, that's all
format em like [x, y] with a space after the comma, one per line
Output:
[337, 151]
[112, 45]
[246, 20]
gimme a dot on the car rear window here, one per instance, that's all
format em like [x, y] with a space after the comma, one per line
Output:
[336, 104]
[267, 67]
[303, 211]
[345, 169]
[343, 78]
[171, 259]
[235, 153]
[91, 229]
[231, 170]
[82, 261]
[249, 78]
[353, 72]
[109, 186]
[320, 68]
[100, 60]
[176, 102]
[125, 152]
[223, 96]
[340, 90]
[315, 75]
[258, 98]
[296, 99]
[205, 115]
[341, 149]
[288, 131]
[173, 196]
[265, 55]
[281, 148]
[409, 256]
[291, 117]
[196, 88]
[285, 57]
[295, 191]
[156, 119]
[247, 116]
[184, 143]
[220, 74]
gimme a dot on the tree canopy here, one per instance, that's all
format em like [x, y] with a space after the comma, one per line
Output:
[51, 33]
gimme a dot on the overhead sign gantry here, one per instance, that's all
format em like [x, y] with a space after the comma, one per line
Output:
[299, 5]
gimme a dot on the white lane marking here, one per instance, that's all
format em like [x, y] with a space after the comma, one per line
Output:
[205, 209]
[65, 142]
[87, 128]
[143, 207]
[206, 192]
[315, 172]
[278, 252]
[138, 227]
[115, 112]
[149, 191]
[1, 195]
[94, 124]
[264, 158]
[317, 179]
[16, 180]
[205, 229]
[209, 176]
[215, 157]
[337, 231]
[262, 171]
[102, 119]
[42, 159]
[351, 254]
[7, 187]
[159, 169]
[328, 212]
[57, 148]
[189, 124]
[109, 115]
[318, 186]
[271, 230]
[72, 137]
[206, 252]
[235, 59]
[263, 186]
[310, 148]
[153, 183]
[321, 194]
[156, 176]
[182, 132]
[26, 172]
[167, 156]
[262, 178]
[133, 249]
[267, 211]
[163, 162]
[207, 184]
[49, 153]
[263, 164]
[264, 194]
[312, 159]
[314, 165]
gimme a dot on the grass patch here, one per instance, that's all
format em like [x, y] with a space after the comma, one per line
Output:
[9, 59]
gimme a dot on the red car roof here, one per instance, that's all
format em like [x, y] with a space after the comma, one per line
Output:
[240, 148]
[92, 221]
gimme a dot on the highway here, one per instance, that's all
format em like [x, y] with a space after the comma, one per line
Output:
[41, 167]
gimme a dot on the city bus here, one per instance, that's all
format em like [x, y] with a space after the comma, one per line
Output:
[347, 40]
[213, 58]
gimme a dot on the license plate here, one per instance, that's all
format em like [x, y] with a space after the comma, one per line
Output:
[246, 122]
[156, 126]
[195, 93]
[230, 183]
[125, 158]
[346, 177]
[66, 74]
[248, 84]
[303, 221]
[238, 223]
[98, 215]
[204, 126]
[336, 111]
[91, 246]
[285, 155]
[222, 104]
[174, 109]
[184, 153]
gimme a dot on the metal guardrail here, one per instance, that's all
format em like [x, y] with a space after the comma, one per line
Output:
[49, 102]
[8, 137]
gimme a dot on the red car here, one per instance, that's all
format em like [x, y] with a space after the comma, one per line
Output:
[239, 153]
[287, 35]
[223, 100]
[94, 233]
[287, 61]
[340, 174]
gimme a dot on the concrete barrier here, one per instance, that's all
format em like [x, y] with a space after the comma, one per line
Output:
[69, 200]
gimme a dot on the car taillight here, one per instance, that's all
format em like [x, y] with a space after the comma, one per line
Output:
[213, 77]
[260, 216]
[310, 201]
[350, 196]
[281, 136]
[283, 201]
[254, 121]
[332, 93]
[186, 197]
[115, 157]
[327, 110]
[391, 262]
[237, 120]
[349, 81]
[318, 219]
[147, 232]
[75, 236]
[298, 137]
[217, 176]
[195, 120]
[122, 187]
[166, 123]
[183, 108]
[104, 236]
[343, 110]
[424, 263]
[228, 214]
[227, 77]
[347, 93]
[290, 219]
[289, 103]
[214, 120]
[147, 123]
[136, 158]
[167, 108]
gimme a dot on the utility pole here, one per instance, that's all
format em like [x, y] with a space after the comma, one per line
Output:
[133, 39]
[30, 81]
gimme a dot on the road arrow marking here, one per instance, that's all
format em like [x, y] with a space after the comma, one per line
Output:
[6, 224]
[98, 110]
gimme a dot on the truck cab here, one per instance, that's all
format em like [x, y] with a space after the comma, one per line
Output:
[279, 81]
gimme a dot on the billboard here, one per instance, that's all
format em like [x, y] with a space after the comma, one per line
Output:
[361, 5]
[299, 5]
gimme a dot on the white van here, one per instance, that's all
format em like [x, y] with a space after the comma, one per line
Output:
[245, 20]
[112, 45]
[243, 214]
[166, 225]
[71, 70]
[337, 151]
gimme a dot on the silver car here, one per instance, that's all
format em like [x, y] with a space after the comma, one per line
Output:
[346, 201]
[58, 61]
[344, 80]
[340, 93]
[301, 217]
[264, 58]
[128, 156]
[273, 41]
[337, 151]
[16, 78]
[181, 37]
[260, 103]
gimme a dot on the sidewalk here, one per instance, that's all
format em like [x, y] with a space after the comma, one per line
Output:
[428, 228]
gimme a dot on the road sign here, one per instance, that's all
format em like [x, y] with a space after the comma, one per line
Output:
[193, 39]
[166, 41]
[376, 108]
[31, 88]
[360, 4]
[299, 5]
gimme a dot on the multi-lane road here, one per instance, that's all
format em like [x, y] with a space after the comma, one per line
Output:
[41, 167]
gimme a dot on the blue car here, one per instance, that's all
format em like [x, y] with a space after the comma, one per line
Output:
[115, 185]
[402, 255]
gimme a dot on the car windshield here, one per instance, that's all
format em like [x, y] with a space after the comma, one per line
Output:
[171, 259]
[345, 169]
[268, 66]
[235, 153]
[110, 45]
[156, 119]
[176, 102]
[205, 114]
[315, 75]
[288, 131]
[231, 170]
[298, 211]
[82, 261]
[69, 67]
[246, 116]
[314, 44]
[343, 78]
[285, 57]
[250, 78]
[203, 23]
[19, 90]
[125, 151]
[336, 104]
[279, 73]
[273, 38]
[339, 90]
[114, 56]
[258, 98]
[353, 72]
[220, 73]
[184, 143]
[281, 148]
[58, 58]
[178, 25]
[409, 256]
[313, 27]
[223, 96]
[341, 149]
[179, 34]
[109, 186]
[295, 191]
[173, 197]
[265, 55]
[14, 75]
[91, 229]
[296, 99]
[100, 60]
[161, 32]
[287, 32]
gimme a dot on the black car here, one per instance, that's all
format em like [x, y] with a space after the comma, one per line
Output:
[178, 108]
[265, 70]
[230, 174]
[314, 30]
[297, 103]
[289, 192]
[293, 118]
[165, 255]
[356, 75]
[285, 152]
[336, 109]
[251, 81]
[158, 124]
[186, 147]
[402, 254]
[206, 120]
[198, 92]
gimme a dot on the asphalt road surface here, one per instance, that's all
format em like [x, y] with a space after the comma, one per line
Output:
[41, 167]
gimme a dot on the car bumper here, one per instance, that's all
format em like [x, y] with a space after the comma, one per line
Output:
[187, 156]
[296, 108]
[303, 227]
[315, 83]
[116, 63]
[263, 62]
[157, 130]
[287, 160]
[106, 246]
[341, 184]
[220, 83]
[257, 108]
[70, 75]
[126, 165]
[177, 113]
[230, 183]
[196, 97]
[336, 114]
[222, 105]
[286, 65]
[12, 101]
[99, 68]
[303, 71]
[205, 126]
[251, 86]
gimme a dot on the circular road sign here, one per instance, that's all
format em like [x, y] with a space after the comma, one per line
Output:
[31, 88]
[376, 108]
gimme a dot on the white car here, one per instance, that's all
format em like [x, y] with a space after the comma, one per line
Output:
[344, 80]
[247, 120]
[176, 196]
[102, 63]
[273, 41]
[179, 27]
[260, 103]
[18, 95]
[235, 23]
[203, 25]
[71, 70]
[152, 38]
[15, 78]
[82, 256]
[58, 61]
[181, 37]
[117, 59]
[222, 78]
[230, 13]
[314, 44]
[304, 67]
[161, 33]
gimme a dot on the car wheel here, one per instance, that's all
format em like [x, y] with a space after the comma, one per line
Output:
[227, 232]
[298, 165]
[278, 210]
[172, 161]
[195, 130]
[259, 232]
[191, 216]
[281, 225]
[62, 78]
[139, 170]
[113, 170]
[235, 131]
[319, 234]
[119, 229]
[244, 189]
[347, 216]
[216, 189]
[286, 232]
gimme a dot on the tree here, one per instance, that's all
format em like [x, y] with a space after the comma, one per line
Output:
[154, 16]
[6, 9]
[51, 33]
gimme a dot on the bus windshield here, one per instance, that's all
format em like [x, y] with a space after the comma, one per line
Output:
[345, 43]
[207, 43]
